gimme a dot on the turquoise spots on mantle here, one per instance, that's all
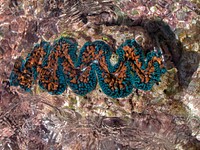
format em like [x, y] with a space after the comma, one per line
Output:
[56, 66]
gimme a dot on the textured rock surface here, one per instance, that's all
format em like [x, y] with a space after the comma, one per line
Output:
[167, 117]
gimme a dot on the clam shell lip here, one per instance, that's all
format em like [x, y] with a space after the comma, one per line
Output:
[57, 66]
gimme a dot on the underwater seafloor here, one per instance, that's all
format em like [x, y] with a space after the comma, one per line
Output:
[167, 117]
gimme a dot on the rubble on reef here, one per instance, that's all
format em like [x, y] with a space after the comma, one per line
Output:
[165, 117]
